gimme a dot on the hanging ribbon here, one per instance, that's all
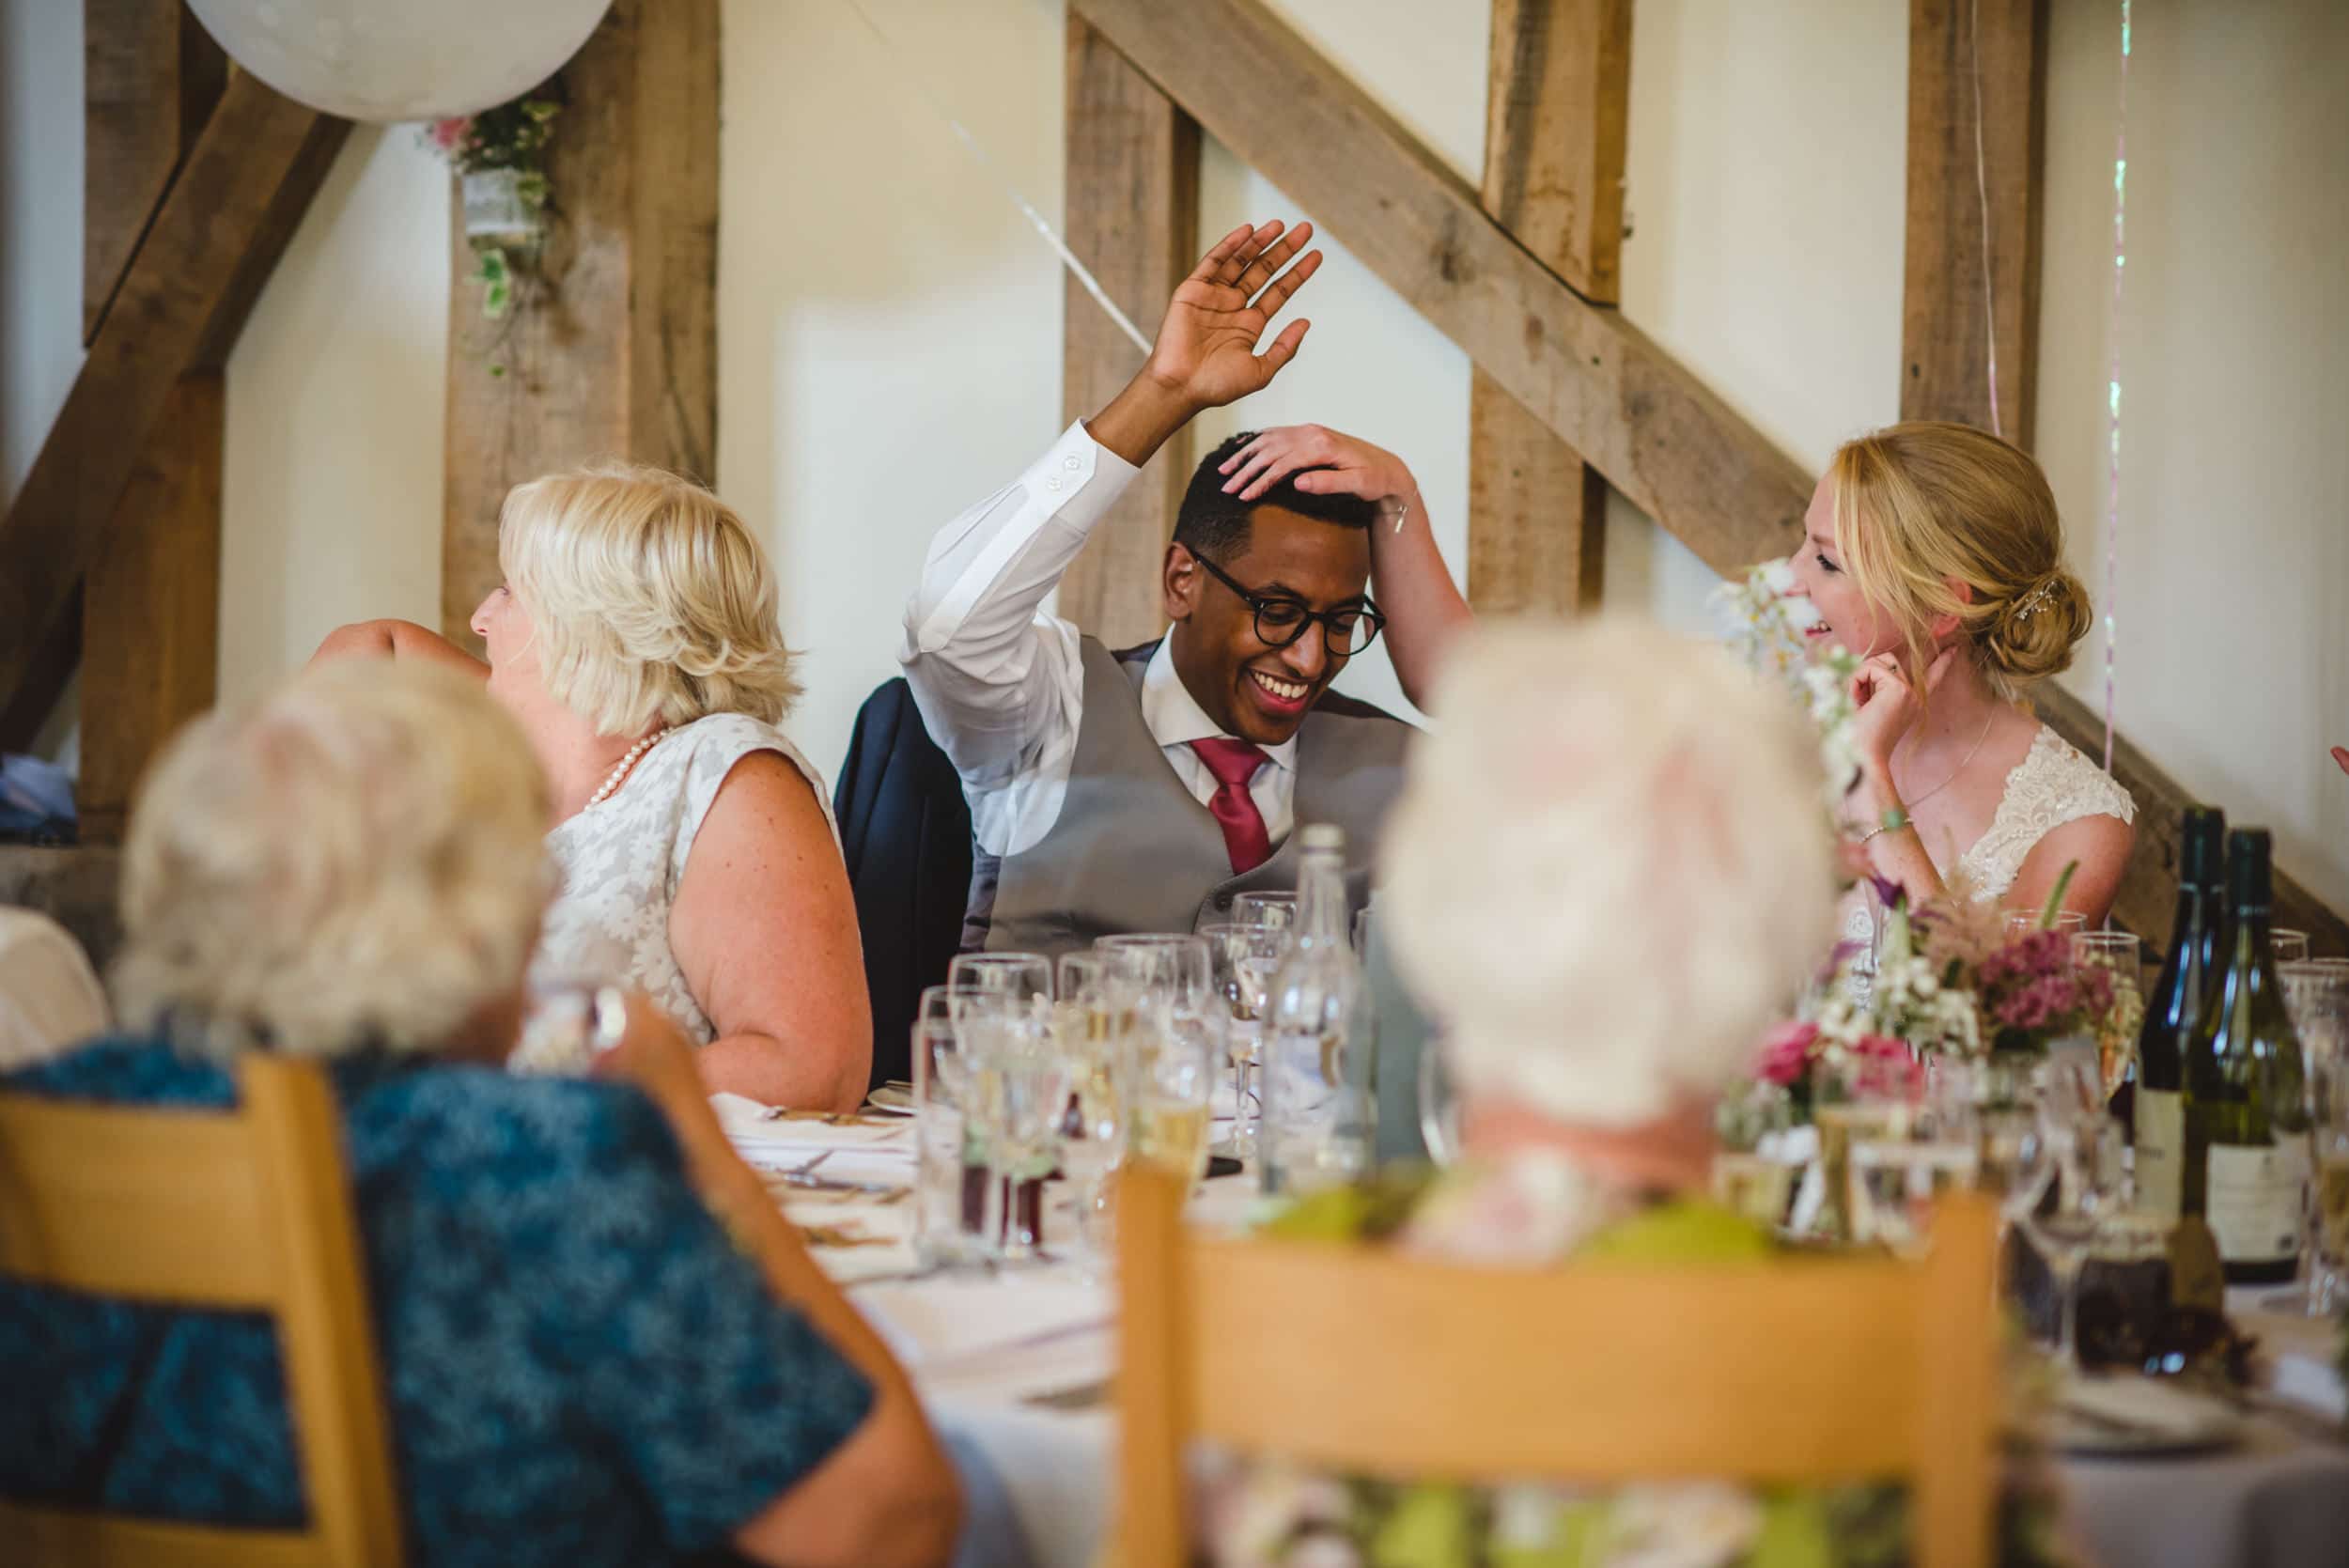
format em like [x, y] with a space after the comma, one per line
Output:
[1036, 220]
[2113, 377]
[1981, 188]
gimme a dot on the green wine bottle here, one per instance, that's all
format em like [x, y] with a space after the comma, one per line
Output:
[2245, 1090]
[2157, 1108]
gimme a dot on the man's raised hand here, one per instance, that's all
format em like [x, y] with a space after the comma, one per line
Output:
[1205, 351]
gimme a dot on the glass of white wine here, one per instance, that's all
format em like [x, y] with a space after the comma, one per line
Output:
[1755, 1162]
[2117, 954]
[1171, 1074]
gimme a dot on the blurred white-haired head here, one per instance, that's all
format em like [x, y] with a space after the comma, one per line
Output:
[356, 859]
[1608, 867]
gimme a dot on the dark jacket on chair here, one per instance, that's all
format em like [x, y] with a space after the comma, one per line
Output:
[906, 832]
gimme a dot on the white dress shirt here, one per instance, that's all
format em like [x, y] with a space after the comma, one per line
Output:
[998, 677]
[49, 1001]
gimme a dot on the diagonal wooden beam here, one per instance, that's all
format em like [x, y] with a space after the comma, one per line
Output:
[1676, 450]
[152, 77]
[225, 223]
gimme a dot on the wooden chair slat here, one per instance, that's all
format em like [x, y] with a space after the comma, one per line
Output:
[249, 1208]
[1351, 1358]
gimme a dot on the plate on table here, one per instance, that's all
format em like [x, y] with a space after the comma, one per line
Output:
[2125, 1417]
[891, 1096]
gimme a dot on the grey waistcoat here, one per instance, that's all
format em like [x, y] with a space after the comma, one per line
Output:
[1133, 851]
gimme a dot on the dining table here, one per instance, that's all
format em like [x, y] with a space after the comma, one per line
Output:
[1015, 1365]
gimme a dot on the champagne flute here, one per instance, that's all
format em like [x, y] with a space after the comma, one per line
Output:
[2117, 953]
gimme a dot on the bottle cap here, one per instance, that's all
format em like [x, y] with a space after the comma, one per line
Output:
[2249, 884]
[2202, 846]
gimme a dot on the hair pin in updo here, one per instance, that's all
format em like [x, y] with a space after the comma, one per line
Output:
[2035, 600]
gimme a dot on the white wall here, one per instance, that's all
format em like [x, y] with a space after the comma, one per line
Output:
[888, 327]
[2231, 652]
[331, 494]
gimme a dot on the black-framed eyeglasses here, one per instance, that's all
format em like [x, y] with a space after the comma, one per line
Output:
[1282, 620]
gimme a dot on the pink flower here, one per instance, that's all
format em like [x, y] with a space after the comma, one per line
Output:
[448, 136]
[1787, 1051]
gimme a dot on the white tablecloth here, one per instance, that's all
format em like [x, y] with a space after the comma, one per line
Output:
[1004, 1364]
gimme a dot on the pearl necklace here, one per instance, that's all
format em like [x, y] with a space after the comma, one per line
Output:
[611, 780]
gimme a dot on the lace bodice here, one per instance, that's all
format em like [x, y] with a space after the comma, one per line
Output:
[2053, 784]
[622, 860]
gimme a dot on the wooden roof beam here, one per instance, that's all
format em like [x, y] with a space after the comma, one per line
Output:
[1674, 448]
[222, 227]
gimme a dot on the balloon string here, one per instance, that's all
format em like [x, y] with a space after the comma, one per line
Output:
[1982, 188]
[2112, 378]
[1036, 220]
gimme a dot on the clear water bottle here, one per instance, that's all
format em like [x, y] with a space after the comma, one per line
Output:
[1319, 1114]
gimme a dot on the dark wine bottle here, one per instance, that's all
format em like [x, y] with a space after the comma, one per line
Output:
[2157, 1113]
[2246, 1086]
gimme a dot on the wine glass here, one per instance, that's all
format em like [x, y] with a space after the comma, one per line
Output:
[955, 1220]
[1275, 912]
[1022, 977]
[2316, 998]
[1173, 1076]
[2117, 953]
[2022, 923]
[1921, 1149]
[1020, 1095]
[1175, 961]
[2287, 945]
[2084, 1189]
[1242, 960]
[1091, 1020]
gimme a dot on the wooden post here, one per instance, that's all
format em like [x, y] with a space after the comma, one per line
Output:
[151, 624]
[616, 356]
[1132, 206]
[149, 615]
[1556, 123]
[1952, 325]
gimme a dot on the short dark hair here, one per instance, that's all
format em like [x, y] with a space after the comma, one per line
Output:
[1215, 525]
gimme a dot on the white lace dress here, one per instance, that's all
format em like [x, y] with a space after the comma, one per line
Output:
[2053, 784]
[622, 860]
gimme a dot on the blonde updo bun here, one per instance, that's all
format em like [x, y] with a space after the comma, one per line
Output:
[2033, 634]
[1923, 505]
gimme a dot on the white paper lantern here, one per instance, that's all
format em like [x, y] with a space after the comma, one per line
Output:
[391, 60]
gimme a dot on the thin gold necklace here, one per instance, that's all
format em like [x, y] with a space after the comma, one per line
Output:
[1915, 801]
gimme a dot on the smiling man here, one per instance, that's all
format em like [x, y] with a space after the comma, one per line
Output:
[1141, 790]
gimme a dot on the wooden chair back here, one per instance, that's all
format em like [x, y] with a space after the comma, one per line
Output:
[1359, 1359]
[247, 1209]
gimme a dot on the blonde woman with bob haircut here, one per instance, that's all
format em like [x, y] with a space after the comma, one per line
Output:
[634, 638]
[1934, 552]
[600, 1343]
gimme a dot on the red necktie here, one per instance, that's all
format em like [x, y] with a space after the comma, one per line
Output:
[1233, 763]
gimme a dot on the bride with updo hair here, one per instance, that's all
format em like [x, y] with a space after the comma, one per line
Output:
[1934, 552]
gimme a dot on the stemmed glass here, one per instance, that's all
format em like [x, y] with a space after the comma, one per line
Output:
[1274, 911]
[1923, 1148]
[1242, 960]
[2117, 953]
[1754, 1174]
[2316, 998]
[1172, 1081]
[2022, 923]
[1020, 976]
[1002, 1008]
[2085, 1188]
[1092, 1018]
[957, 1217]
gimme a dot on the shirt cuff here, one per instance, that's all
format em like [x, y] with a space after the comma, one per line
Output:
[1073, 483]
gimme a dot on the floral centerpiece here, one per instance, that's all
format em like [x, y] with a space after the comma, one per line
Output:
[502, 155]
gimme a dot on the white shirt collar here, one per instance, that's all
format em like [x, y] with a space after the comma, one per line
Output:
[1175, 717]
